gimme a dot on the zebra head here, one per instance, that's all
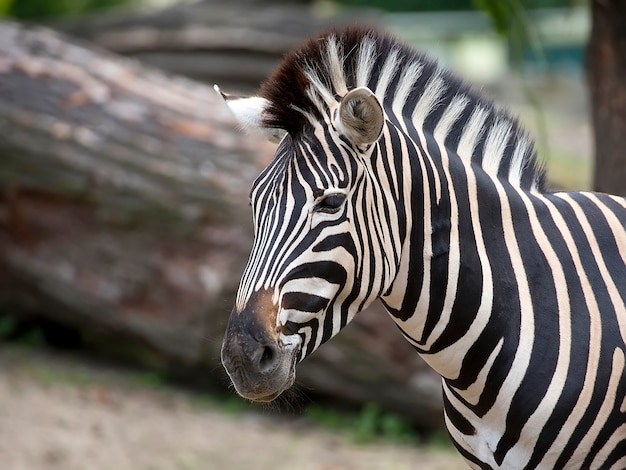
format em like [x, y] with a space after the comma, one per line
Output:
[319, 247]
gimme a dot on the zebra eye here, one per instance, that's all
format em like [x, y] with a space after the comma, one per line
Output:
[331, 203]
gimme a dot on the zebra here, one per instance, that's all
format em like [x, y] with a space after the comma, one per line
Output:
[393, 179]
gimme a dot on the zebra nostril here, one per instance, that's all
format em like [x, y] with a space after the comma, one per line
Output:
[268, 359]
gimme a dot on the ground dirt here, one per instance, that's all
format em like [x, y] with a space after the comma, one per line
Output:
[59, 412]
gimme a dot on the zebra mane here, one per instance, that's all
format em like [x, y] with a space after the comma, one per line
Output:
[409, 84]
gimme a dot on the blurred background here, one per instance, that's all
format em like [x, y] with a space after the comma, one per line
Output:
[124, 222]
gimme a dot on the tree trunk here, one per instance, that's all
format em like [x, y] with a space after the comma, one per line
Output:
[124, 209]
[606, 70]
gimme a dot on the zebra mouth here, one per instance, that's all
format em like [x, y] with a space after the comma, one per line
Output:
[265, 383]
[273, 395]
[264, 398]
[259, 359]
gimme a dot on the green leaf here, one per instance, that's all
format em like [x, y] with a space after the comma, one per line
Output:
[499, 12]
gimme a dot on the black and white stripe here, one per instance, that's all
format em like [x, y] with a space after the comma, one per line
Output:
[515, 295]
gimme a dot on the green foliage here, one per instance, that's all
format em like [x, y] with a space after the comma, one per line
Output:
[440, 440]
[151, 379]
[411, 5]
[8, 324]
[228, 403]
[36, 9]
[372, 422]
[326, 417]
[508, 18]
[5, 6]
[396, 428]
[235, 405]
[499, 7]
[22, 333]
[501, 14]
[367, 425]
[68, 376]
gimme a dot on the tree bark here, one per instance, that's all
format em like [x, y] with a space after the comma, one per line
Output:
[124, 209]
[606, 69]
[123, 192]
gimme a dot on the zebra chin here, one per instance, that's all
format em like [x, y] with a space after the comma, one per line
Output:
[263, 391]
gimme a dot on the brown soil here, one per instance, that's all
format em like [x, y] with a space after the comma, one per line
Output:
[61, 413]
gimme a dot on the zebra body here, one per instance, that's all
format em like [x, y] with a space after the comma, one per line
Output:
[394, 180]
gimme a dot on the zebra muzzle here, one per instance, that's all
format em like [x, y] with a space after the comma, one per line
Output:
[258, 364]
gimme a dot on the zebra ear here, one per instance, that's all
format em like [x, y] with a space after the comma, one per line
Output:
[360, 116]
[248, 111]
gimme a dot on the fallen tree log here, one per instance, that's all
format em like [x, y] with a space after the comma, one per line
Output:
[123, 208]
[122, 191]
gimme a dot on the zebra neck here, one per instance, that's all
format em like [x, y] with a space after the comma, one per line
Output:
[444, 289]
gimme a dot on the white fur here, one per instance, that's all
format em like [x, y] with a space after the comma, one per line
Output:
[365, 61]
[334, 52]
[495, 145]
[429, 99]
[318, 86]
[249, 113]
[406, 84]
[472, 133]
[519, 160]
[387, 73]
[450, 116]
